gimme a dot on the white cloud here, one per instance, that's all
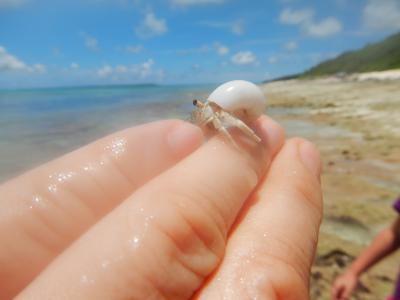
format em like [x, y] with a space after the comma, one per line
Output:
[11, 3]
[293, 17]
[221, 49]
[74, 66]
[326, 27]
[272, 60]
[382, 15]
[244, 58]
[144, 70]
[56, 52]
[291, 45]
[105, 71]
[305, 19]
[90, 42]
[195, 2]
[134, 48]
[121, 69]
[9, 62]
[236, 27]
[39, 68]
[151, 26]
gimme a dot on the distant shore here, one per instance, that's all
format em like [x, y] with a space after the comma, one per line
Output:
[355, 121]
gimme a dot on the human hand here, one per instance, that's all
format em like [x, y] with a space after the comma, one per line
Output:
[168, 219]
[344, 286]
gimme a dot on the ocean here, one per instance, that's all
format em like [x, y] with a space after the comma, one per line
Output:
[37, 125]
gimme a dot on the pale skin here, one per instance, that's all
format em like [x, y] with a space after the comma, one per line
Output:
[161, 214]
[383, 244]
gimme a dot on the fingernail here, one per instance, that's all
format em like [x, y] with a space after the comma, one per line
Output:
[184, 138]
[310, 157]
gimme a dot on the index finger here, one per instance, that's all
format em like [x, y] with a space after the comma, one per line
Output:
[44, 210]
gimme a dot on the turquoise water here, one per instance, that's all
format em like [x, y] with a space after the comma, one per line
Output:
[37, 125]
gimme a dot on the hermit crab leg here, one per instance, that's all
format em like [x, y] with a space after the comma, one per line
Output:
[218, 125]
[232, 121]
[204, 122]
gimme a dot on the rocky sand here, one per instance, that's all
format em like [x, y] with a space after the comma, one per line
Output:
[356, 125]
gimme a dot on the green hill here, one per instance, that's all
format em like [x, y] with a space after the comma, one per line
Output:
[379, 56]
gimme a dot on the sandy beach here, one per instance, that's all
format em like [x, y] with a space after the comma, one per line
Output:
[356, 124]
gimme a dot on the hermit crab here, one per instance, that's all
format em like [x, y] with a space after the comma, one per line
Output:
[232, 104]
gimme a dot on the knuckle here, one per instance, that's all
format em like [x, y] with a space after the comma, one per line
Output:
[281, 279]
[179, 246]
[215, 200]
[287, 254]
[196, 240]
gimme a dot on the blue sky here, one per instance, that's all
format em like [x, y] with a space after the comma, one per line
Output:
[71, 42]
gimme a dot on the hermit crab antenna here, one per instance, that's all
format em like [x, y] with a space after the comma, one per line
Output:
[198, 103]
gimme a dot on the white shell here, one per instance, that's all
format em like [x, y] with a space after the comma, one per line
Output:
[241, 98]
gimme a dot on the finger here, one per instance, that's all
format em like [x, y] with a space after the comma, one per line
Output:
[270, 252]
[42, 211]
[345, 294]
[337, 291]
[168, 236]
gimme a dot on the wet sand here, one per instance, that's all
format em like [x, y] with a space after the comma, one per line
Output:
[356, 125]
